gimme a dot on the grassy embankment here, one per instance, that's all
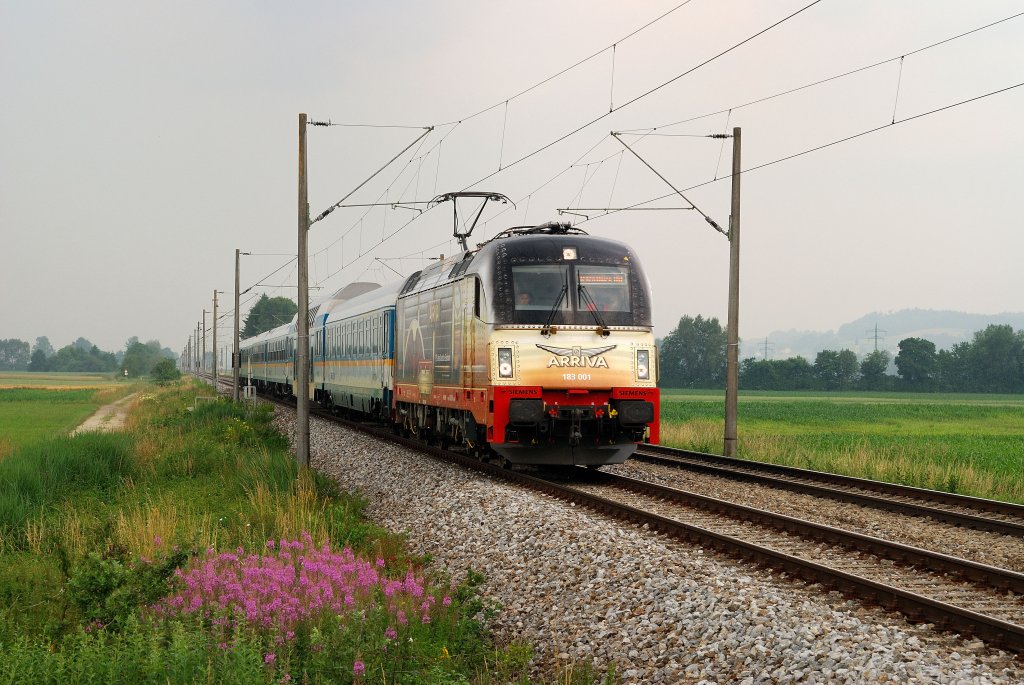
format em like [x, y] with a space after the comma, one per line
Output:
[188, 549]
[970, 444]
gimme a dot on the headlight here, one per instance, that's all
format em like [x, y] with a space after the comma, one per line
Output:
[505, 362]
[643, 365]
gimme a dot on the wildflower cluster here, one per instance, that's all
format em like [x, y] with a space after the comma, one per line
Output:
[237, 431]
[295, 588]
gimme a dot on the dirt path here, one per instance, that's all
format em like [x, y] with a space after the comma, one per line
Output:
[108, 418]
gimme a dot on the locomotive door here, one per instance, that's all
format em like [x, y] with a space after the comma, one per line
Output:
[381, 355]
[467, 290]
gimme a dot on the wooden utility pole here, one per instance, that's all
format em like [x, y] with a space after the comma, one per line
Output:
[215, 364]
[732, 371]
[202, 364]
[236, 360]
[302, 320]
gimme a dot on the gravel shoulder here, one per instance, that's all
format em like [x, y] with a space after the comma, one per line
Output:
[581, 587]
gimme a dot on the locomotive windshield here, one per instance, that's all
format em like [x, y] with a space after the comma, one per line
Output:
[575, 280]
[571, 294]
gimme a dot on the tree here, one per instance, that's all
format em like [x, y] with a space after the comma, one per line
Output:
[14, 355]
[73, 358]
[693, 355]
[996, 360]
[83, 344]
[916, 363]
[953, 368]
[836, 370]
[139, 359]
[267, 313]
[39, 361]
[758, 374]
[165, 371]
[43, 344]
[872, 370]
[795, 373]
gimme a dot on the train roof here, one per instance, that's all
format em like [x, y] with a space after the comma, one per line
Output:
[521, 245]
[272, 334]
[357, 298]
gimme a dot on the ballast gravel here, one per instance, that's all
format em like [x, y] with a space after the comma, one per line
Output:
[583, 588]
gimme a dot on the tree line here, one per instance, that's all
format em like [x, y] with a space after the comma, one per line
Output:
[137, 358]
[693, 356]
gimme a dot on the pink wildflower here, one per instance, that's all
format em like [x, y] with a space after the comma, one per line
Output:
[447, 601]
[358, 668]
[269, 658]
[158, 541]
[391, 633]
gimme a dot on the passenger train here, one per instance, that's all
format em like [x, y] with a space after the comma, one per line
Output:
[536, 347]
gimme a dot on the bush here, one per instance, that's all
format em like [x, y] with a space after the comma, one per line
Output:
[109, 591]
[165, 371]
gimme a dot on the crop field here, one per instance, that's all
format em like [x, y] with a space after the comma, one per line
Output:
[970, 444]
[56, 381]
[38, 405]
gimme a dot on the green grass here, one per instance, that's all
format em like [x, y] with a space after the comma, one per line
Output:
[27, 415]
[973, 444]
[80, 516]
[30, 414]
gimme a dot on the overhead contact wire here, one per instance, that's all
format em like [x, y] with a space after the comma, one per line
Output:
[817, 148]
[571, 67]
[649, 92]
[828, 79]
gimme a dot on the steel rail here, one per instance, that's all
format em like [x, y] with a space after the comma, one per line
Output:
[990, 576]
[915, 606]
[782, 476]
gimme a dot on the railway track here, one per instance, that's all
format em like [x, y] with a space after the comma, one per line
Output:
[970, 512]
[955, 594]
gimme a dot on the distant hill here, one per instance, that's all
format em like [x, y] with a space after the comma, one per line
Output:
[944, 328]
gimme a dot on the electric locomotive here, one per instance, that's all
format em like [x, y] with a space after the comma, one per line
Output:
[537, 347]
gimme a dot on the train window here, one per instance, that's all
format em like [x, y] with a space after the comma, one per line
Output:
[538, 288]
[461, 267]
[605, 288]
[477, 297]
[410, 283]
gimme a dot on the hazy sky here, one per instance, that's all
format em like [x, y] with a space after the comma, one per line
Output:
[141, 143]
